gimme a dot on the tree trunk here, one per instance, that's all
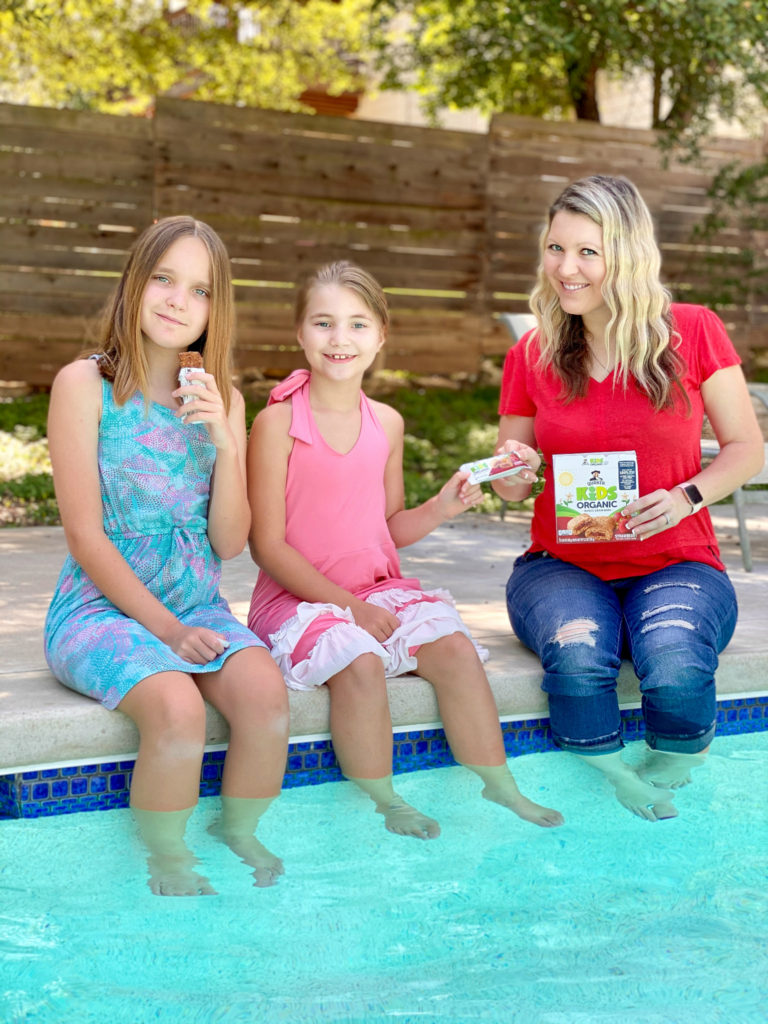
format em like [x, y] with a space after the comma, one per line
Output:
[582, 86]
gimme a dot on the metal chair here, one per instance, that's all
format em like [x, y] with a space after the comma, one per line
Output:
[710, 448]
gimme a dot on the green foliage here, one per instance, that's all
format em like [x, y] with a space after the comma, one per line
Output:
[29, 411]
[541, 57]
[118, 55]
[443, 429]
[739, 206]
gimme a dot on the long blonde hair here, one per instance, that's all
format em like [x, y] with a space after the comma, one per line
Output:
[640, 326]
[121, 356]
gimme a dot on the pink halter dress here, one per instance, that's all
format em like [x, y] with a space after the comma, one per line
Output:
[335, 516]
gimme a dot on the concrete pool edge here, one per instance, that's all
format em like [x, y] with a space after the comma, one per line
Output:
[45, 791]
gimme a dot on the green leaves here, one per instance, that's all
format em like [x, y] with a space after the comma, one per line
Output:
[705, 58]
[118, 55]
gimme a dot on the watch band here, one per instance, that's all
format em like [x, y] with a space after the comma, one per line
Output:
[692, 496]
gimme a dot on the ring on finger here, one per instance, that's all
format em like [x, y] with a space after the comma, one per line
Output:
[667, 519]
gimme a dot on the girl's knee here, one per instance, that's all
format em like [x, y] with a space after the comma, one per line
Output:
[175, 721]
[455, 649]
[365, 673]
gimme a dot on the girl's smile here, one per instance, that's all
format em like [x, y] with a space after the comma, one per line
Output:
[339, 330]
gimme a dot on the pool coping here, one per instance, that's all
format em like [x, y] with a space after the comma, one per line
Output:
[48, 790]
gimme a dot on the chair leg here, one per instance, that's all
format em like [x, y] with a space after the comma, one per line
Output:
[746, 551]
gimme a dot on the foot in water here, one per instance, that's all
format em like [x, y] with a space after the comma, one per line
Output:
[638, 795]
[404, 820]
[512, 798]
[669, 769]
[170, 862]
[399, 817]
[501, 788]
[174, 875]
[239, 820]
[267, 867]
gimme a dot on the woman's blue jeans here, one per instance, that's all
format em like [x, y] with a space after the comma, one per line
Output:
[672, 623]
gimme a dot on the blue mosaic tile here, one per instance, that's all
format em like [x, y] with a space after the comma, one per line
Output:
[97, 787]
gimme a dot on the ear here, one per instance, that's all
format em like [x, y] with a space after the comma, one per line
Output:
[382, 338]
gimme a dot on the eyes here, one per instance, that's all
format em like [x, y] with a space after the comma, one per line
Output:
[203, 293]
[356, 324]
[583, 251]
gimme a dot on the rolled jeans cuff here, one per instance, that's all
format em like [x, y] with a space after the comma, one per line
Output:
[680, 744]
[602, 745]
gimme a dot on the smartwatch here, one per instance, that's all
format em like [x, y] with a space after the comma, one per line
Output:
[692, 496]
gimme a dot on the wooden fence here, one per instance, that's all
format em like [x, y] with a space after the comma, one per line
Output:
[448, 221]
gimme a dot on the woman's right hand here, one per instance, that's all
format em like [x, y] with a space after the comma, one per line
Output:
[527, 454]
[196, 644]
[380, 623]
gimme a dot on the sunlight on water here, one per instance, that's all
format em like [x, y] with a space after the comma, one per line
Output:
[607, 920]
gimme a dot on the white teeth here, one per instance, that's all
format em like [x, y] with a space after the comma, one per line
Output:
[573, 287]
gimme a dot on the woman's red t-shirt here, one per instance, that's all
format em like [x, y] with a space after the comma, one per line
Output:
[667, 444]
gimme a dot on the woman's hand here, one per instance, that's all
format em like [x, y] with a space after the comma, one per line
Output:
[377, 621]
[655, 512]
[196, 644]
[529, 455]
[207, 407]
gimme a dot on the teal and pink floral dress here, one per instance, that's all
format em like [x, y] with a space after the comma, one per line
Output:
[155, 474]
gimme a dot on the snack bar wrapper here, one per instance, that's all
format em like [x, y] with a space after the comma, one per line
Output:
[190, 363]
[591, 489]
[494, 468]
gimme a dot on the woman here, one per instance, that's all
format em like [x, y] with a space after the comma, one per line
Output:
[615, 367]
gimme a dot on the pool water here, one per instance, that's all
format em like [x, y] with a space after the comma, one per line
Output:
[607, 919]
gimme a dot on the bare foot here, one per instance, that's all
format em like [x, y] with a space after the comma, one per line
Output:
[641, 798]
[404, 820]
[638, 796]
[508, 795]
[173, 875]
[267, 867]
[670, 770]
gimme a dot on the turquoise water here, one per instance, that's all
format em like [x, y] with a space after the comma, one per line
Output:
[609, 919]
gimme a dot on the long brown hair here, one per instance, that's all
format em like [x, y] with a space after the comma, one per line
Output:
[121, 356]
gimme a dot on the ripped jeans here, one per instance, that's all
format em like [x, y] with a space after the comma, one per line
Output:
[672, 623]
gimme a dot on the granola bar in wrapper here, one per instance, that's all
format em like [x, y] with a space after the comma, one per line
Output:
[494, 468]
[190, 363]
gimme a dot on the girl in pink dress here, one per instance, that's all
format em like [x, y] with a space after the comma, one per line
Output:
[326, 491]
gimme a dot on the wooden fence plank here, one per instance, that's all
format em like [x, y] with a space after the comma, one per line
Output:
[447, 220]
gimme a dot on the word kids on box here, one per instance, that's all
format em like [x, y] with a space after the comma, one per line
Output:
[591, 489]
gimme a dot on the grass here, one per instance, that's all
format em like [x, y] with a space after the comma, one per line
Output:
[444, 426]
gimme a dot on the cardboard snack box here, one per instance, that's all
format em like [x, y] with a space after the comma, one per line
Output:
[591, 489]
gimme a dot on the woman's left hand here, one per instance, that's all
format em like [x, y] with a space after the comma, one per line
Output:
[655, 512]
[206, 407]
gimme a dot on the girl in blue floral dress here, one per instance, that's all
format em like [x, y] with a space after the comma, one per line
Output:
[151, 500]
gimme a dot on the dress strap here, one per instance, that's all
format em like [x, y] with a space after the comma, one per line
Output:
[295, 387]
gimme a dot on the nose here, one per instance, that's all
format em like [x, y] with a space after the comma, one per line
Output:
[568, 265]
[176, 298]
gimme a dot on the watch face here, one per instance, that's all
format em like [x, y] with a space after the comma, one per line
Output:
[694, 494]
